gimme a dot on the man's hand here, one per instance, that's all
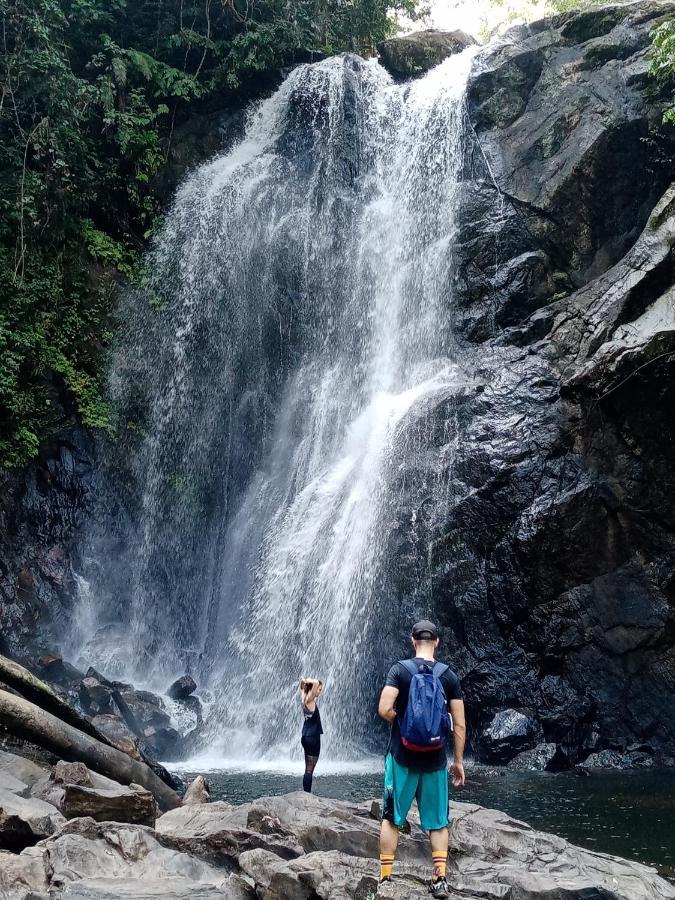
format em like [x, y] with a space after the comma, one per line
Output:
[458, 778]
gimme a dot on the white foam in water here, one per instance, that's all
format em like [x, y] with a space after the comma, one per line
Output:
[209, 763]
[307, 277]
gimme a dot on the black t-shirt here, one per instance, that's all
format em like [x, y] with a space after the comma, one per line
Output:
[399, 677]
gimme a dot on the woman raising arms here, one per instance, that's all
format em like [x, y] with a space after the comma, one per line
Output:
[310, 691]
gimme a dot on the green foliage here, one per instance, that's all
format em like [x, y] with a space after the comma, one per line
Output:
[90, 94]
[663, 59]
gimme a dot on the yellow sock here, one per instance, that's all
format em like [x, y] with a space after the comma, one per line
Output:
[440, 861]
[386, 865]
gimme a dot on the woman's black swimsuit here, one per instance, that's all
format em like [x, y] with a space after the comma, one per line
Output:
[311, 732]
[311, 744]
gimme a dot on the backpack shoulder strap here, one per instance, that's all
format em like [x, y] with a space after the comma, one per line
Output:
[440, 669]
[410, 666]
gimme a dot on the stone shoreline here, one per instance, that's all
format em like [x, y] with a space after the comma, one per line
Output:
[85, 837]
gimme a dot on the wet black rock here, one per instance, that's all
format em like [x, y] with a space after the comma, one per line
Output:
[572, 159]
[41, 509]
[613, 759]
[194, 705]
[113, 685]
[144, 697]
[151, 723]
[116, 730]
[96, 699]
[543, 757]
[509, 733]
[416, 53]
[63, 677]
[182, 688]
[550, 549]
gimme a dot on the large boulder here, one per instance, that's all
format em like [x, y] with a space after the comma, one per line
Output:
[336, 847]
[24, 876]
[509, 733]
[13, 785]
[219, 832]
[416, 53]
[283, 848]
[165, 888]
[108, 861]
[151, 722]
[21, 769]
[25, 820]
[77, 791]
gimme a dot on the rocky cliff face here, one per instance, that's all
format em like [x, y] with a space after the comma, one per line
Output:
[553, 571]
[41, 512]
[552, 561]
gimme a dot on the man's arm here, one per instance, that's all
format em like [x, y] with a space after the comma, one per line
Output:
[386, 709]
[458, 740]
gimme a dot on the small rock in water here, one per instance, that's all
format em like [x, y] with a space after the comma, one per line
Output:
[613, 759]
[197, 792]
[543, 757]
[182, 687]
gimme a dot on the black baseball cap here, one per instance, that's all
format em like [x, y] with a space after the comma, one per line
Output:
[425, 630]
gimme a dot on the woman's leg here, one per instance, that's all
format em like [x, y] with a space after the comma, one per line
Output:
[310, 764]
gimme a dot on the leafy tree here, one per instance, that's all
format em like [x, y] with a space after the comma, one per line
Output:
[90, 94]
[663, 59]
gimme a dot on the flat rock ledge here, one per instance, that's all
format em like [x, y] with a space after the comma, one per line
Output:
[302, 847]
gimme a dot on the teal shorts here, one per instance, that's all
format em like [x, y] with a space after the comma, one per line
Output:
[401, 787]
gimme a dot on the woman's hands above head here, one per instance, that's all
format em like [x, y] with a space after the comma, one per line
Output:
[310, 688]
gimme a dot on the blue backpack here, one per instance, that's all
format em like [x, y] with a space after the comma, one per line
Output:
[426, 723]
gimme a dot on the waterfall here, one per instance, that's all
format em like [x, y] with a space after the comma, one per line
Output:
[296, 316]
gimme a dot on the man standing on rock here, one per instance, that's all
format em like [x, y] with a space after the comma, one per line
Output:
[415, 701]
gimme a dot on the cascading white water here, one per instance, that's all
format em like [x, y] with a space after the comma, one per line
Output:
[304, 287]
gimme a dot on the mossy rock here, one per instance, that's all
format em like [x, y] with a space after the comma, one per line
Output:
[414, 54]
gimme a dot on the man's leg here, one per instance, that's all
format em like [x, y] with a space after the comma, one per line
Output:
[388, 845]
[439, 852]
[433, 802]
[399, 792]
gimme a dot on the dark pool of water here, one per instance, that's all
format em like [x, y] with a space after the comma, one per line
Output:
[630, 814]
